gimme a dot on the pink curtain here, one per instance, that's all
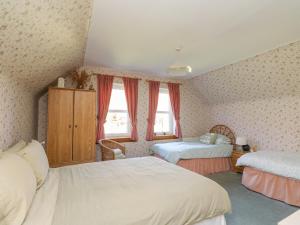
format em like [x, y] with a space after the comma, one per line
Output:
[153, 100]
[175, 103]
[131, 92]
[105, 84]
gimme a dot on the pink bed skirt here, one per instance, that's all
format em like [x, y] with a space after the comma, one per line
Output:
[277, 187]
[205, 166]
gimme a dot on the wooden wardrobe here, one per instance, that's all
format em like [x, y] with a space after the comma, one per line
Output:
[71, 136]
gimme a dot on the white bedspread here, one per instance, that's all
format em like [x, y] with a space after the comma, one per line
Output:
[174, 151]
[139, 191]
[43, 206]
[285, 164]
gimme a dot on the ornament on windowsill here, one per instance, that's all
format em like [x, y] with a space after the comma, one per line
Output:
[81, 78]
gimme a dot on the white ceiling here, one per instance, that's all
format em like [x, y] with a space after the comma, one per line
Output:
[142, 35]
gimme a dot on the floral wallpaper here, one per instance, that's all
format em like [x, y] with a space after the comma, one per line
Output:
[39, 41]
[258, 98]
[16, 112]
[42, 40]
[194, 114]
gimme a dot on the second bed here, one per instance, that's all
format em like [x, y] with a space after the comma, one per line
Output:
[196, 156]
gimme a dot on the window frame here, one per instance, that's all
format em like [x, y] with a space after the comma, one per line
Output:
[170, 134]
[121, 137]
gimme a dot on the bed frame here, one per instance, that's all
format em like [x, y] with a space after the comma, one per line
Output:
[224, 130]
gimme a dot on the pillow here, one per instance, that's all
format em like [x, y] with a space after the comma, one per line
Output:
[16, 147]
[17, 188]
[208, 138]
[118, 154]
[222, 139]
[35, 155]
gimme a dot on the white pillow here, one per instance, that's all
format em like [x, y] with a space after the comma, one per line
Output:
[222, 139]
[35, 155]
[17, 189]
[16, 147]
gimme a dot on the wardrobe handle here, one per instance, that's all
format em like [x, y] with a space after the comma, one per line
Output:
[70, 126]
[75, 126]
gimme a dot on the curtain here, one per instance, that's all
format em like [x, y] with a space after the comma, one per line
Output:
[131, 93]
[153, 101]
[174, 94]
[105, 84]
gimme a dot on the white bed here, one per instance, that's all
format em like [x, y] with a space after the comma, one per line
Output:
[140, 191]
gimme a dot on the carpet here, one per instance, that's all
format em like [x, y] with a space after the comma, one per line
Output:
[248, 207]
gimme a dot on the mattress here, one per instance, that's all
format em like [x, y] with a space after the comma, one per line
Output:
[286, 164]
[136, 191]
[174, 151]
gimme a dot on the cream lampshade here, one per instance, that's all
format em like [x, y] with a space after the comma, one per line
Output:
[241, 141]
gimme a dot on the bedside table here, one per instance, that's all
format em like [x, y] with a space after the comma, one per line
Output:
[234, 157]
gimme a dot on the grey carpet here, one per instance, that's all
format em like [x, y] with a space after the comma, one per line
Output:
[248, 207]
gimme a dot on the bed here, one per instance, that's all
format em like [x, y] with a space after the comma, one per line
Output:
[273, 174]
[136, 191]
[200, 158]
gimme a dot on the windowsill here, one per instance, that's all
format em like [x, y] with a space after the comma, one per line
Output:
[121, 139]
[164, 137]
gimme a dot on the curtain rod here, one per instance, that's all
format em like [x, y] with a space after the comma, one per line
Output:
[165, 82]
[117, 76]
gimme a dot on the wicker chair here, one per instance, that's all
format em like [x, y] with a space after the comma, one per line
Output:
[107, 147]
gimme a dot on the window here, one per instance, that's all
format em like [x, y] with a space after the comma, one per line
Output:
[164, 116]
[117, 120]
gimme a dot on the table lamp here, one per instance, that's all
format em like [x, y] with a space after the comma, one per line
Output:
[242, 141]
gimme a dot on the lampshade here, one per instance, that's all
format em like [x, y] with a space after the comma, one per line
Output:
[241, 141]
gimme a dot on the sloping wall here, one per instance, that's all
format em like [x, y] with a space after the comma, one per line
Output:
[194, 113]
[258, 98]
[39, 41]
[16, 112]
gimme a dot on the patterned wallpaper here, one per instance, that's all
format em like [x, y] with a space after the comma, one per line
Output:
[258, 98]
[16, 112]
[194, 114]
[41, 40]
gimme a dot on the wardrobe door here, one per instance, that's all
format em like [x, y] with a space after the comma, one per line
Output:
[84, 139]
[60, 126]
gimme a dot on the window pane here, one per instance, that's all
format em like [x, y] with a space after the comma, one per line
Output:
[117, 100]
[163, 102]
[116, 123]
[162, 123]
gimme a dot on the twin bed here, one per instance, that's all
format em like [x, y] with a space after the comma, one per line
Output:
[196, 156]
[274, 174]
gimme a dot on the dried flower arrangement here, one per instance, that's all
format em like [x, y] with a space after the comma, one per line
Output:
[81, 78]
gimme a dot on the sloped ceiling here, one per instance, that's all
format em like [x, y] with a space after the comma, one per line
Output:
[274, 74]
[41, 40]
[142, 35]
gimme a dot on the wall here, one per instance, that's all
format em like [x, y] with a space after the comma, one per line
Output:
[16, 112]
[39, 41]
[258, 98]
[194, 114]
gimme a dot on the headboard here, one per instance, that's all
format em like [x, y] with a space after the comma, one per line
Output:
[222, 129]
